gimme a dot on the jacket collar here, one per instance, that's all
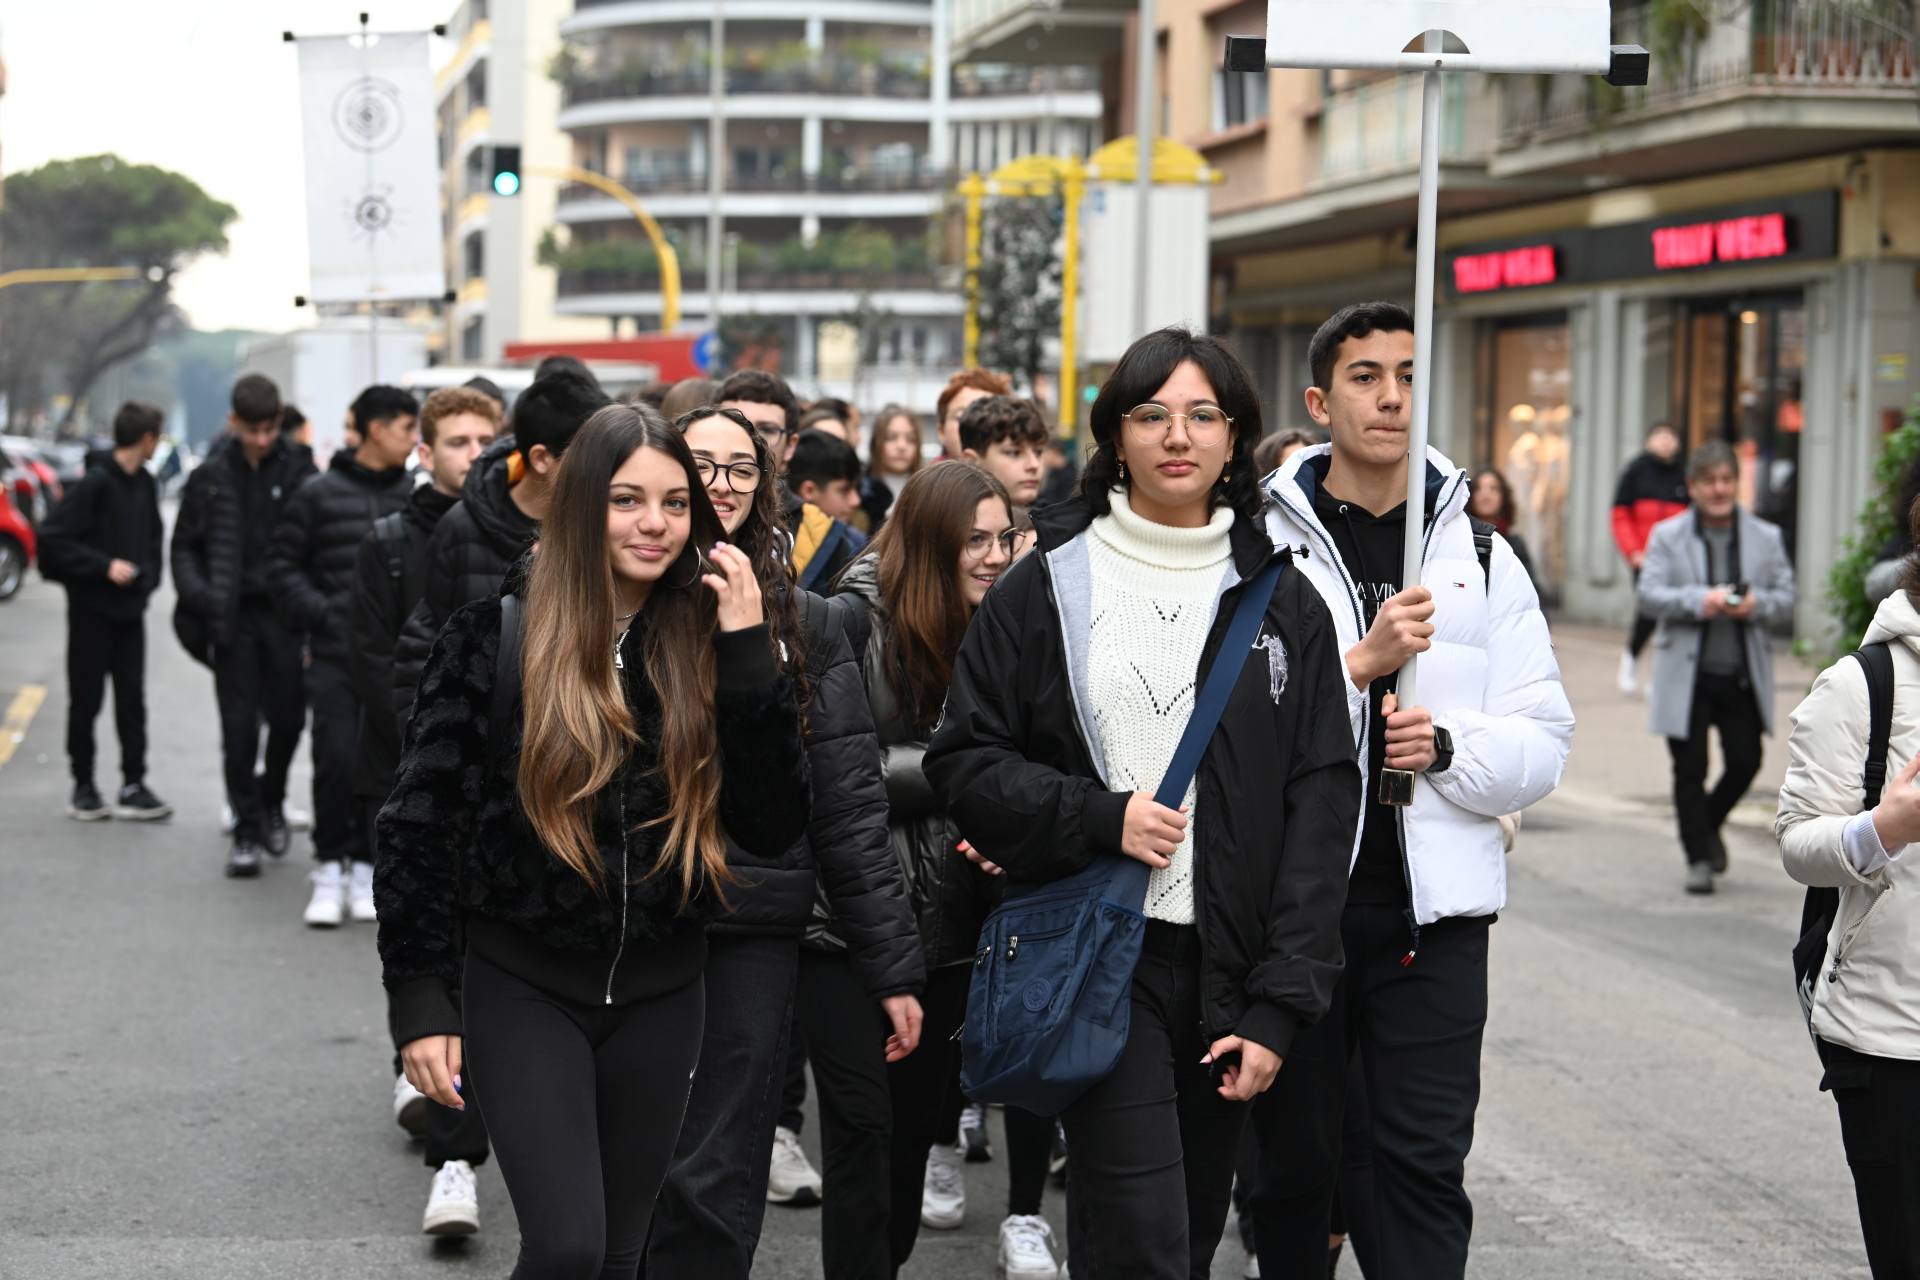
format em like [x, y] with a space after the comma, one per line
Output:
[1298, 481]
[1062, 522]
[426, 504]
[489, 501]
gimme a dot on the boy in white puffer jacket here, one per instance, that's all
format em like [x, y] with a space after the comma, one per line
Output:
[1491, 737]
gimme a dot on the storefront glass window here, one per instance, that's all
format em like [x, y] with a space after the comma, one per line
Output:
[1523, 417]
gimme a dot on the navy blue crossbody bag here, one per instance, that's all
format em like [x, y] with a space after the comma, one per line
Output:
[1051, 998]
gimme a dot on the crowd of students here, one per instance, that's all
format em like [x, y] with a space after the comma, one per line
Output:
[680, 752]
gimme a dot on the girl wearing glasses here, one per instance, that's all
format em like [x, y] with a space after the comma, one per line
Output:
[560, 840]
[1067, 701]
[753, 950]
[913, 594]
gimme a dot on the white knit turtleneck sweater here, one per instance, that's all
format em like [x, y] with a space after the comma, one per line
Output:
[1154, 591]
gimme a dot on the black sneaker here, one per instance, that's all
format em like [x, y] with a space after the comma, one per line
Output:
[243, 860]
[1057, 1161]
[279, 835]
[973, 1134]
[86, 804]
[137, 804]
[1717, 855]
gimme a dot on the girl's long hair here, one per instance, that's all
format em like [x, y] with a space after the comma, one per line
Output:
[578, 729]
[917, 555]
[876, 439]
[1503, 518]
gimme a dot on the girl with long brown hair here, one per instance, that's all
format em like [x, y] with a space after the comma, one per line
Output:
[893, 458]
[581, 751]
[915, 592]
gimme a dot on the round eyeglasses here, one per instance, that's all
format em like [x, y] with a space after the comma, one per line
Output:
[1206, 423]
[980, 545]
[742, 477]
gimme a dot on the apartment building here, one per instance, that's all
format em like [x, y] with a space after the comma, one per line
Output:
[1732, 248]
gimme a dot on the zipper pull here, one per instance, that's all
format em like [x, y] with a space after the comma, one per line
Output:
[619, 663]
[1406, 961]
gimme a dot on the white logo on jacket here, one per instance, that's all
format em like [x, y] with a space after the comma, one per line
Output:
[1276, 664]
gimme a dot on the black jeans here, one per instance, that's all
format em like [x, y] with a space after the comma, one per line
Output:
[1643, 625]
[1879, 1100]
[338, 834]
[1418, 1028]
[706, 1225]
[1029, 1144]
[1351, 1214]
[1152, 1145]
[97, 647]
[257, 679]
[584, 1104]
[793, 1076]
[1725, 703]
[876, 1120]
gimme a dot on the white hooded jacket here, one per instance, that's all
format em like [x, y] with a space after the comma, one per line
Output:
[1490, 679]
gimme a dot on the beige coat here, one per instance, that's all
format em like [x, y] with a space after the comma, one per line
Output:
[1867, 996]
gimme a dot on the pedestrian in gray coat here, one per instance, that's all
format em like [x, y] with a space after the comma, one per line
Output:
[1715, 576]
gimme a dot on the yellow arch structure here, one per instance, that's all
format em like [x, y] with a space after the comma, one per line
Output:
[669, 260]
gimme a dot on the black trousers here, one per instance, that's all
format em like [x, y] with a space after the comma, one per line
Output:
[584, 1104]
[793, 1076]
[1418, 1028]
[257, 679]
[97, 647]
[1643, 626]
[1152, 1146]
[706, 1224]
[1879, 1101]
[1726, 704]
[876, 1120]
[1029, 1144]
[1351, 1214]
[338, 833]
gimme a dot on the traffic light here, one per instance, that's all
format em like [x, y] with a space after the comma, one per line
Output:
[506, 171]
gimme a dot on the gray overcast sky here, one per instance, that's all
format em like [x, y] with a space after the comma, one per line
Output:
[205, 87]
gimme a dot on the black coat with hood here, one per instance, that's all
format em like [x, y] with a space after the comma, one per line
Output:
[950, 896]
[846, 862]
[208, 555]
[467, 557]
[317, 543]
[1278, 791]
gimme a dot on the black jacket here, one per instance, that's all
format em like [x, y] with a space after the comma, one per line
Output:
[1278, 791]
[389, 576]
[454, 850]
[315, 547]
[106, 515]
[210, 537]
[951, 897]
[467, 556]
[846, 863]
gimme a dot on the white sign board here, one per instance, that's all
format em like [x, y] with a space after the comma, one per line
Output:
[1178, 281]
[373, 199]
[1498, 35]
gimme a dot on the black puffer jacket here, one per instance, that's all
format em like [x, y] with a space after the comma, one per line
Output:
[389, 576]
[467, 557]
[315, 547]
[951, 897]
[109, 514]
[454, 847]
[1278, 791]
[847, 861]
[208, 536]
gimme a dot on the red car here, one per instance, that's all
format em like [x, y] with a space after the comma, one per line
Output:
[16, 547]
[36, 485]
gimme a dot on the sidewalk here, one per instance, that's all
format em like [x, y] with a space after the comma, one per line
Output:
[1620, 769]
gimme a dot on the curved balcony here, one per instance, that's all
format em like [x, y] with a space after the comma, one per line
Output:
[849, 194]
[842, 90]
[605, 15]
[693, 279]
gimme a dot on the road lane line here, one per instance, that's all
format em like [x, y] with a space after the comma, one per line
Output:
[19, 715]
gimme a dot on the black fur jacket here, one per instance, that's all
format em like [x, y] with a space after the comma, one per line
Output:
[455, 853]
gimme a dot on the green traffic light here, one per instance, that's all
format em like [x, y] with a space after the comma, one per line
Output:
[1090, 394]
[506, 183]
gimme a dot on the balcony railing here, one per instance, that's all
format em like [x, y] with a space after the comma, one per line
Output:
[1010, 81]
[1373, 129]
[693, 279]
[846, 182]
[829, 76]
[1772, 47]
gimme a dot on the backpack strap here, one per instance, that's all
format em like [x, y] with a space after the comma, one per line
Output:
[1876, 660]
[1483, 546]
[390, 533]
[506, 672]
[823, 555]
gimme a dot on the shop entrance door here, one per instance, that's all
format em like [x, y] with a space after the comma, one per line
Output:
[1525, 381]
[1741, 377]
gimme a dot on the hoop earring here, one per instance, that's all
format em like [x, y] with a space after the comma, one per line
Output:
[699, 569]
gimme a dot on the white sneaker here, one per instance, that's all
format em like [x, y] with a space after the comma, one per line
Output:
[453, 1206]
[1252, 1269]
[227, 821]
[297, 819]
[973, 1134]
[791, 1179]
[409, 1107]
[360, 893]
[328, 906]
[1628, 680]
[1026, 1249]
[943, 1198]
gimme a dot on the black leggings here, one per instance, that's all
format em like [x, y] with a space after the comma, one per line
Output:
[1029, 1144]
[584, 1103]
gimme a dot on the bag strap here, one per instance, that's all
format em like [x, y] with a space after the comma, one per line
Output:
[1876, 660]
[1483, 546]
[506, 672]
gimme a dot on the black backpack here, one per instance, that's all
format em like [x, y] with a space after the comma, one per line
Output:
[1817, 913]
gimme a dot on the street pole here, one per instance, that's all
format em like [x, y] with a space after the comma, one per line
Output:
[1147, 42]
[716, 150]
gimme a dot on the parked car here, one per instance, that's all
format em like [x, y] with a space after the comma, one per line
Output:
[17, 547]
[35, 484]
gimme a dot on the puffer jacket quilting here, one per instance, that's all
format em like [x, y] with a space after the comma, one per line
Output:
[310, 569]
[206, 555]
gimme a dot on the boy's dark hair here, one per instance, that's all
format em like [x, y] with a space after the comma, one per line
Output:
[555, 407]
[255, 399]
[488, 388]
[291, 419]
[1711, 456]
[382, 403]
[756, 386]
[991, 419]
[1658, 427]
[563, 363]
[688, 393]
[653, 395]
[1266, 454]
[822, 459]
[821, 413]
[134, 421]
[837, 407]
[1357, 321]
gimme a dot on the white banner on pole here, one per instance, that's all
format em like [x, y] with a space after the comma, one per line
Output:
[1498, 35]
[373, 181]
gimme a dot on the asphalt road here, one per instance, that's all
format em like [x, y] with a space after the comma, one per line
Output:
[193, 1085]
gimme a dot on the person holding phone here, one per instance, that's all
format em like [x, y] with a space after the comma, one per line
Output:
[1068, 699]
[558, 854]
[1715, 578]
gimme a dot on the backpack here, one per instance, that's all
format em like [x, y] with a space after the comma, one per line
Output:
[1822, 906]
[1483, 546]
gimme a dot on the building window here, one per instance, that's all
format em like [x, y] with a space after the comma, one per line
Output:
[1238, 98]
[1524, 411]
[470, 344]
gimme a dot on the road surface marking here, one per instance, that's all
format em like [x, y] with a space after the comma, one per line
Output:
[19, 716]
